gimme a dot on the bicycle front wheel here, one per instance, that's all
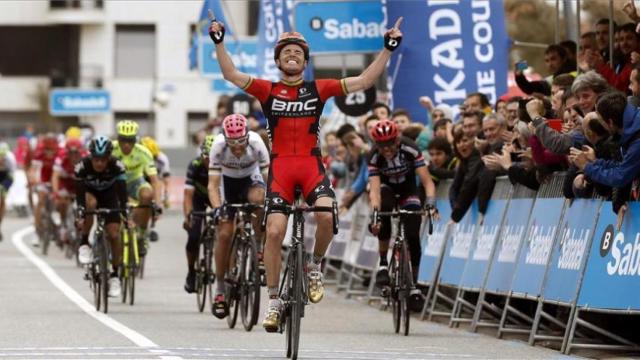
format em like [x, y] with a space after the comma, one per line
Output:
[104, 273]
[250, 288]
[297, 302]
[396, 309]
[405, 286]
[232, 279]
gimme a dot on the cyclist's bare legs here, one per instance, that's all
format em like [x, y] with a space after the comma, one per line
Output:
[42, 197]
[324, 230]
[256, 197]
[224, 231]
[276, 230]
[90, 203]
[141, 216]
[113, 232]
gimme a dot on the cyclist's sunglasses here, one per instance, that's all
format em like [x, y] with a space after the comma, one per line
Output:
[238, 142]
[386, 144]
[127, 139]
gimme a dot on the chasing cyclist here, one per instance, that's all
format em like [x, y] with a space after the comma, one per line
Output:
[196, 198]
[239, 161]
[138, 163]
[394, 163]
[293, 107]
[100, 183]
[39, 174]
[7, 167]
[162, 165]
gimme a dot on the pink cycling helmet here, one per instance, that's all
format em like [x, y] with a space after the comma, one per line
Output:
[235, 126]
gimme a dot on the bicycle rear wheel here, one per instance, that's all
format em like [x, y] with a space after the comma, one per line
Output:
[95, 285]
[394, 274]
[250, 289]
[232, 279]
[297, 304]
[201, 285]
[405, 286]
[104, 273]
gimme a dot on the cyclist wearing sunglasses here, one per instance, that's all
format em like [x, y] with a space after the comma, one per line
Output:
[238, 164]
[293, 107]
[196, 198]
[394, 163]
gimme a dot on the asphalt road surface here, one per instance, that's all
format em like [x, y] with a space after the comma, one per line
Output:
[46, 311]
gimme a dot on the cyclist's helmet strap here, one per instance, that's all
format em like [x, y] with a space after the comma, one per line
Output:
[291, 37]
[101, 146]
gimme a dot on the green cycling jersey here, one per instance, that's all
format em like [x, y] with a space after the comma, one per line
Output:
[138, 163]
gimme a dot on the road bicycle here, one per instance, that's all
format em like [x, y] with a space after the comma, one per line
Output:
[130, 262]
[400, 271]
[293, 290]
[205, 276]
[242, 278]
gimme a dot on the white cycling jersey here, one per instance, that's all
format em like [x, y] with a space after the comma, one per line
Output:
[223, 162]
[162, 164]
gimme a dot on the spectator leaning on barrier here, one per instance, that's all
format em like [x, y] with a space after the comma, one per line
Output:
[357, 150]
[472, 124]
[623, 119]
[443, 163]
[465, 183]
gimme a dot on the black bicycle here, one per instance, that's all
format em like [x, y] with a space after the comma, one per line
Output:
[400, 272]
[242, 278]
[50, 230]
[293, 287]
[98, 270]
[143, 242]
[205, 276]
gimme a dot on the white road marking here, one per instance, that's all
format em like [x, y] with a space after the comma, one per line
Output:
[134, 336]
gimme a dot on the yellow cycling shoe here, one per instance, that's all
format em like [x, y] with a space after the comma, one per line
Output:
[316, 287]
[271, 322]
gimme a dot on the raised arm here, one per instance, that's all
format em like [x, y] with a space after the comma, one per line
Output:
[368, 77]
[229, 70]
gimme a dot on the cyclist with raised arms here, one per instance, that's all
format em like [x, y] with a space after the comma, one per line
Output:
[239, 161]
[293, 108]
[100, 183]
[196, 198]
[139, 163]
[394, 162]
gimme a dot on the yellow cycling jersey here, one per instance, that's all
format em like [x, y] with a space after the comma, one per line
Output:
[138, 163]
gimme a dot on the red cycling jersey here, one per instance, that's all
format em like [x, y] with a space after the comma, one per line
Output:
[46, 162]
[293, 117]
[293, 112]
[66, 168]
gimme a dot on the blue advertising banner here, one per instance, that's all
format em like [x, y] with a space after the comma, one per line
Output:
[76, 102]
[432, 245]
[612, 272]
[537, 247]
[571, 250]
[449, 49]
[478, 264]
[503, 264]
[341, 27]
[458, 248]
[242, 52]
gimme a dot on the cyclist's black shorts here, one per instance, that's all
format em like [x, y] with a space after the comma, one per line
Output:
[107, 199]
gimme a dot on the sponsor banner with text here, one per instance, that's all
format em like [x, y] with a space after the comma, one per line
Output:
[458, 247]
[432, 245]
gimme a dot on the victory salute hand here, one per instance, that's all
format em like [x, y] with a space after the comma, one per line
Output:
[393, 36]
[216, 29]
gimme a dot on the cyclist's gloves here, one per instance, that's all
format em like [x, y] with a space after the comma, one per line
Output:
[80, 210]
[375, 219]
[430, 206]
[217, 36]
[391, 43]
[156, 209]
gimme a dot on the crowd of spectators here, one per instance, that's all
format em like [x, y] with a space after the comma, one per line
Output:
[582, 119]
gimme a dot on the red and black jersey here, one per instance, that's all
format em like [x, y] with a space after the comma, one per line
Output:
[293, 112]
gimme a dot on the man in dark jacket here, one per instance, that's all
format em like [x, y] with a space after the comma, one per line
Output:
[623, 119]
[558, 63]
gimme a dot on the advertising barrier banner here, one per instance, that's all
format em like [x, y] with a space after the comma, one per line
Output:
[449, 49]
[458, 247]
[571, 250]
[478, 264]
[537, 247]
[503, 264]
[341, 27]
[432, 245]
[613, 268]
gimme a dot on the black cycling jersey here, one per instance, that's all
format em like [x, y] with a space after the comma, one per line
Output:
[198, 177]
[400, 172]
[111, 181]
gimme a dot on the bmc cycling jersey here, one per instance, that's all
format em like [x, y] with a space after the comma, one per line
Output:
[254, 160]
[65, 168]
[293, 118]
[138, 163]
[198, 178]
[45, 162]
[398, 173]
